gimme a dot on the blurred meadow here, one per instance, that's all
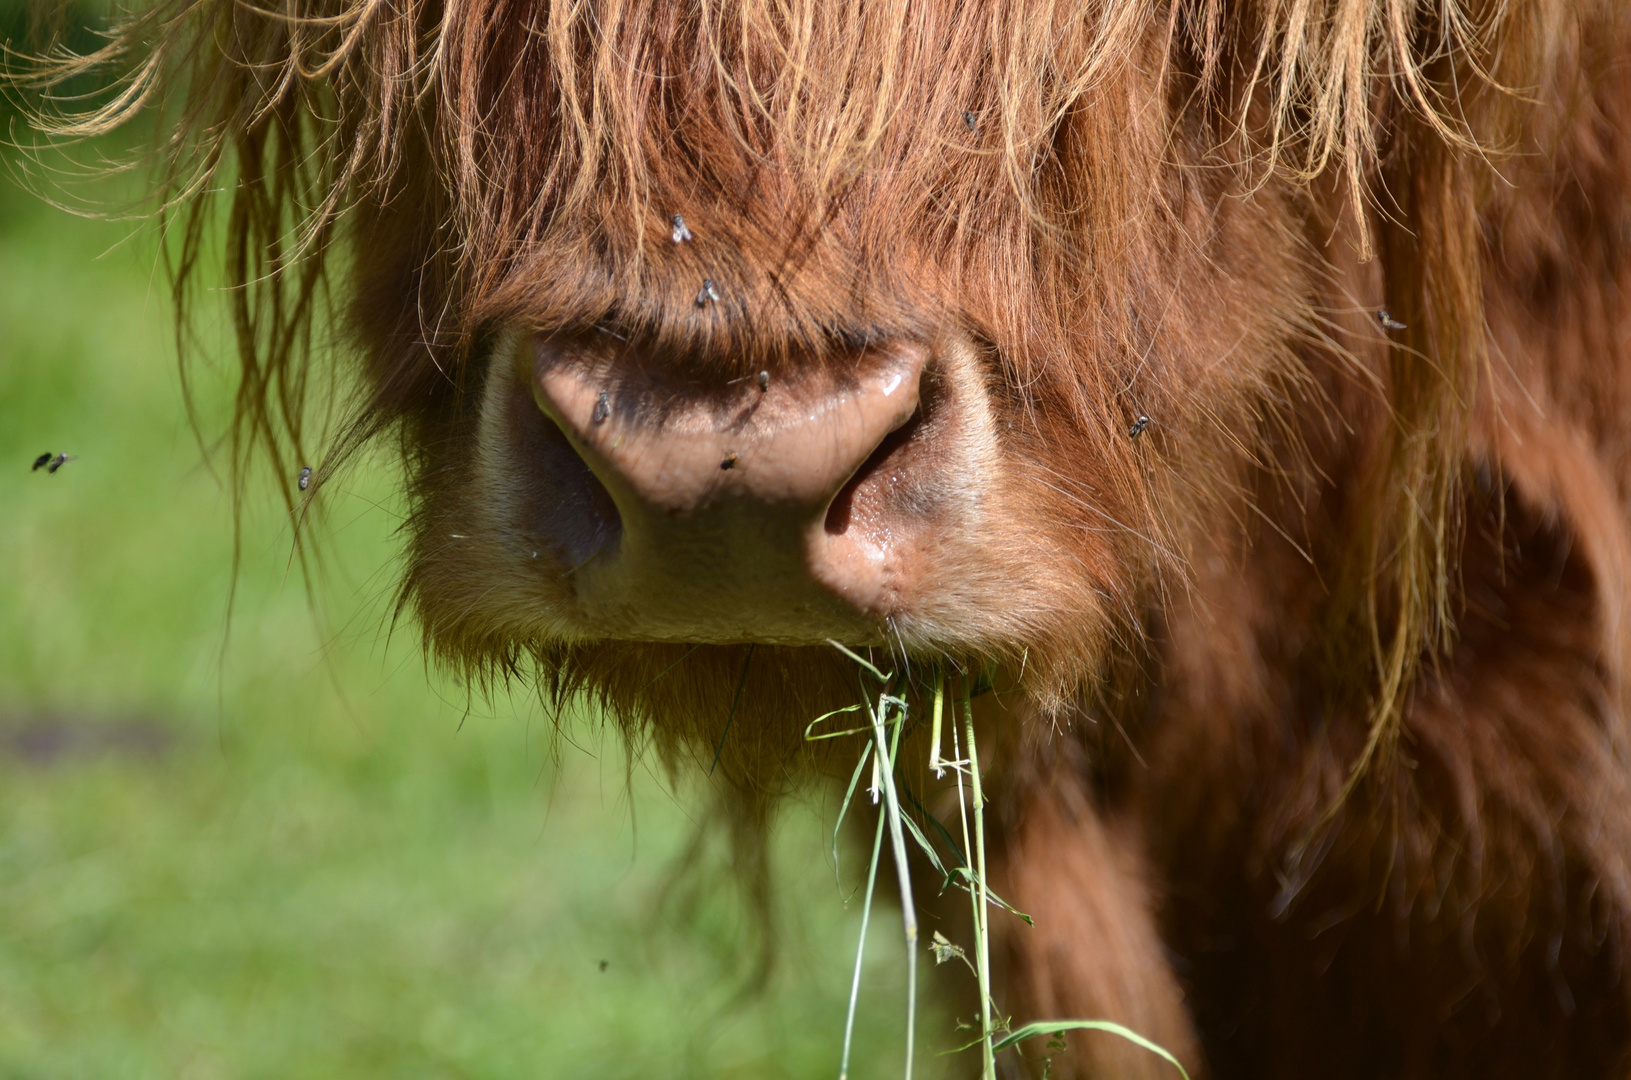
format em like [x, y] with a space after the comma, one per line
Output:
[283, 848]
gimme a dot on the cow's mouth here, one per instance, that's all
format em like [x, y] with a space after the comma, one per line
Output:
[788, 506]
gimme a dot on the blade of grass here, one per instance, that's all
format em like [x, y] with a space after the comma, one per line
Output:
[843, 810]
[886, 734]
[887, 757]
[933, 821]
[834, 734]
[934, 730]
[960, 875]
[1054, 1027]
[867, 664]
[972, 881]
[860, 950]
[928, 849]
[981, 911]
[838, 734]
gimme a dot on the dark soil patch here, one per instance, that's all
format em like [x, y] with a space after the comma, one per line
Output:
[43, 739]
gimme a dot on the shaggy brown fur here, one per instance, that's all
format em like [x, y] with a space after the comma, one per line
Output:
[1313, 748]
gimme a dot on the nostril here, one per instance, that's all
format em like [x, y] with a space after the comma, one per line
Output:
[567, 507]
[876, 473]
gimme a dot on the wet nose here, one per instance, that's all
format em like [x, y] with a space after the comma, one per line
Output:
[724, 489]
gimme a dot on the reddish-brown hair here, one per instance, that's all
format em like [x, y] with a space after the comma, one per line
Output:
[1208, 200]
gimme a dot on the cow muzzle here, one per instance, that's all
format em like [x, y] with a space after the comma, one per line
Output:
[765, 507]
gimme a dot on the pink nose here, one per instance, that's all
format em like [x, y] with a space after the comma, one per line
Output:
[725, 493]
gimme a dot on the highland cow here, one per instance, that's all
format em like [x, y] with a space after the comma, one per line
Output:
[1242, 386]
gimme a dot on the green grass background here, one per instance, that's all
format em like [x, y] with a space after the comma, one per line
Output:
[304, 865]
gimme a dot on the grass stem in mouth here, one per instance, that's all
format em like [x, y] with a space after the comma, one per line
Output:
[897, 841]
[860, 950]
[888, 720]
[982, 937]
[934, 731]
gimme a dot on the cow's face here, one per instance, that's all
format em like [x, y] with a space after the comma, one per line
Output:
[733, 328]
[938, 326]
[876, 389]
